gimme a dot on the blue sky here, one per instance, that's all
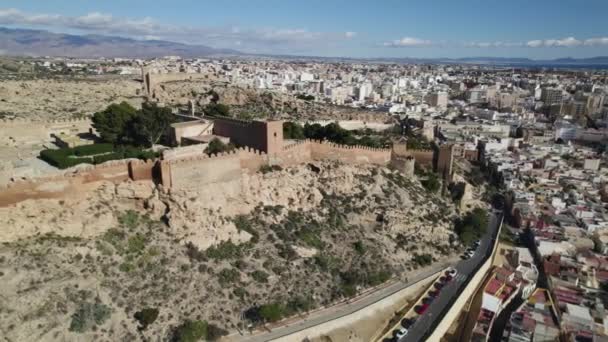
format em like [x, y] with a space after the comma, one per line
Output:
[382, 28]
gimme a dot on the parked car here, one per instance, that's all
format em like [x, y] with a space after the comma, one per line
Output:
[434, 293]
[408, 322]
[438, 286]
[451, 272]
[427, 300]
[401, 333]
[421, 309]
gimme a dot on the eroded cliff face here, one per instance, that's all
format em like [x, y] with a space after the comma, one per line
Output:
[306, 235]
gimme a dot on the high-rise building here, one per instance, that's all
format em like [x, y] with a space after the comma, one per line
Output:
[438, 99]
[551, 95]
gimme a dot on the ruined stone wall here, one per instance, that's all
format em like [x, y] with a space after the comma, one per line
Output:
[20, 131]
[189, 172]
[142, 170]
[189, 151]
[73, 181]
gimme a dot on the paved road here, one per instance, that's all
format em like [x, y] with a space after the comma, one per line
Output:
[466, 268]
[339, 311]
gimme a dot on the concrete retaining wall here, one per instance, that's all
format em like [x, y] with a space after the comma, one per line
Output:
[464, 296]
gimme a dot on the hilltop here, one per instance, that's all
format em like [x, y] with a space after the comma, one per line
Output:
[272, 244]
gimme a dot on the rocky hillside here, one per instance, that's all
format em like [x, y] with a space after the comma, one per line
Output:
[64, 98]
[247, 102]
[130, 262]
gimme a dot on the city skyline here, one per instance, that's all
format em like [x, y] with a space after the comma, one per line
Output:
[442, 29]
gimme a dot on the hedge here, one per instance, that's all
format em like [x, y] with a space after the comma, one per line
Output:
[93, 154]
[60, 158]
[89, 150]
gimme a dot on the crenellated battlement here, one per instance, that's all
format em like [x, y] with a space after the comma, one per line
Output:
[24, 121]
[420, 151]
[241, 151]
[300, 143]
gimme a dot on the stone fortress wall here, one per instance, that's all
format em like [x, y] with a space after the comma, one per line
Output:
[75, 181]
[187, 172]
[28, 132]
[190, 167]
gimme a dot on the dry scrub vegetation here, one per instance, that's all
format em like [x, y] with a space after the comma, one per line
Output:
[144, 279]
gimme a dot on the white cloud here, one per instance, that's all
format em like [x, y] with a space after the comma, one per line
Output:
[535, 43]
[103, 23]
[408, 42]
[596, 41]
[564, 42]
[498, 44]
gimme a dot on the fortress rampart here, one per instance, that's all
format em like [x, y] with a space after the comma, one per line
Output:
[189, 172]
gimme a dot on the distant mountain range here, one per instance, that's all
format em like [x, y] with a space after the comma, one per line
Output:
[25, 42]
[22, 42]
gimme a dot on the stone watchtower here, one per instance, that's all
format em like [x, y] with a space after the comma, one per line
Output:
[148, 82]
[274, 136]
[445, 161]
[402, 160]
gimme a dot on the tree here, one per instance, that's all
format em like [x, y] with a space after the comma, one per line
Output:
[151, 123]
[112, 123]
[272, 312]
[292, 130]
[146, 317]
[217, 109]
[431, 183]
[217, 146]
[190, 331]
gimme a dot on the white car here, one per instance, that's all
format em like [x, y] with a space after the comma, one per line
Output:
[401, 333]
[452, 272]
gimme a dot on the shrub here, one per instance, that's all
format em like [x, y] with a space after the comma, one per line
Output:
[300, 304]
[89, 315]
[243, 223]
[61, 158]
[272, 312]
[359, 247]
[214, 332]
[190, 331]
[126, 267]
[194, 253]
[136, 243]
[472, 225]
[93, 154]
[146, 317]
[224, 250]
[102, 158]
[422, 259]
[115, 237]
[228, 275]
[91, 150]
[129, 219]
[270, 168]
[217, 146]
[259, 276]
